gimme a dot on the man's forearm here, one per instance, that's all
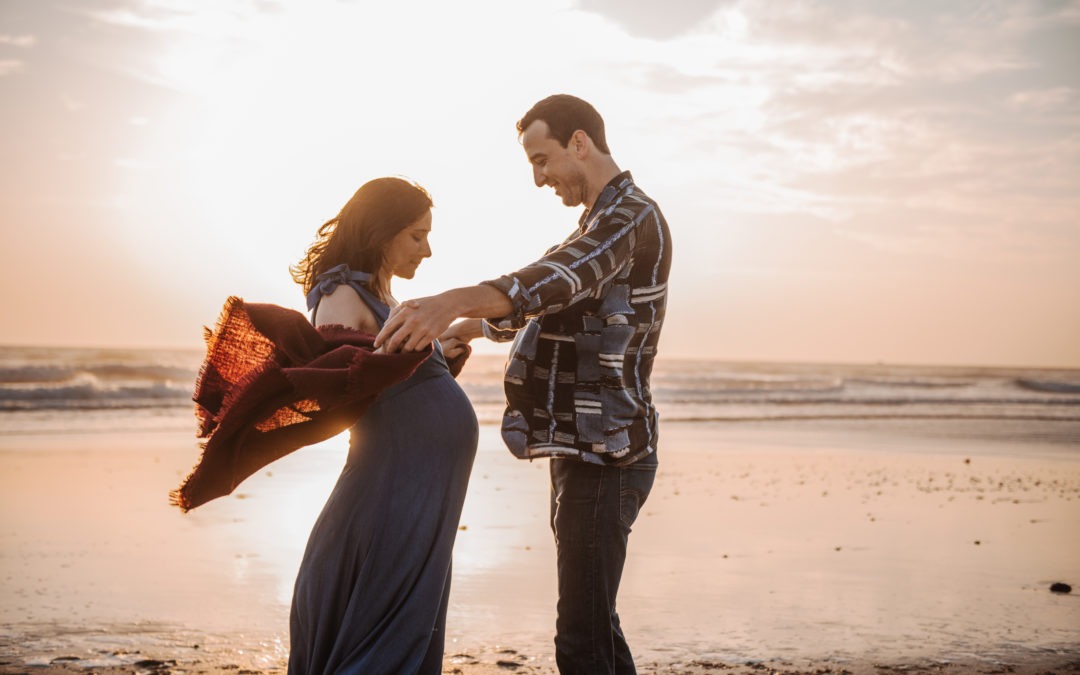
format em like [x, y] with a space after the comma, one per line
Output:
[477, 302]
[465, 330]
[415, 323]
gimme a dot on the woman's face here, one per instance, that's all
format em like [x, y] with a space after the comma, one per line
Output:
[408, 248]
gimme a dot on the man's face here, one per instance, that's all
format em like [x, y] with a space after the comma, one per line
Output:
[553, 164]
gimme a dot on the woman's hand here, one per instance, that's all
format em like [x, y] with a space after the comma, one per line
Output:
[453, 347]
[455, 339]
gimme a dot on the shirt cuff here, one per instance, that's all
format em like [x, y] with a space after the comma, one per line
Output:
[495, 333]
[520, 299]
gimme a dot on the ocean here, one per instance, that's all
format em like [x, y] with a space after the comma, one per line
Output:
[71, 390]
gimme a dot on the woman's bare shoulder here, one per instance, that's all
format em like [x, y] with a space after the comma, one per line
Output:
[345, 307]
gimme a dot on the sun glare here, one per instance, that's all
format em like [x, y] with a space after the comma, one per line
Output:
[294, 111]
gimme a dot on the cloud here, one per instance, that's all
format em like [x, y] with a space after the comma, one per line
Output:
[916, 128]
[72, 104]
[130, 18]
[224, 20]
[131, 164]
[190, 43]
[641, 18]
[10, 66]
[1044, 100]
[18, 40]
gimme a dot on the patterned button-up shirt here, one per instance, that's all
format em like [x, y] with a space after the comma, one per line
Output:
[586, 322]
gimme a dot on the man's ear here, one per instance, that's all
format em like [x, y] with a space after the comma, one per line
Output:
[579, 144]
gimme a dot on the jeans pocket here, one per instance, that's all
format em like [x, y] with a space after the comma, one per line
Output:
[635, 483]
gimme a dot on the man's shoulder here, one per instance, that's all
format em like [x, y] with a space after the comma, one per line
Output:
[629, 203]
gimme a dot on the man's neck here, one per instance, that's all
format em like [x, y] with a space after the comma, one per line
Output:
[599, 177]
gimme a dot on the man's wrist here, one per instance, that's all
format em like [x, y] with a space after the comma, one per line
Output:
[456, 302]
[476, 302]
[472, 329]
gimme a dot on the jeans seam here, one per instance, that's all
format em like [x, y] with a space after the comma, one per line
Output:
[594, 572]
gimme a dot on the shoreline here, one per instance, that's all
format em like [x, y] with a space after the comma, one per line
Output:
[164, 649]
[763, 548]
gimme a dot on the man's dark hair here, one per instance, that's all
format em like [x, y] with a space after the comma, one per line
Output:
[565, 114]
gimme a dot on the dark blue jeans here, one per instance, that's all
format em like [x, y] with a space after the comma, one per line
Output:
[592, 509]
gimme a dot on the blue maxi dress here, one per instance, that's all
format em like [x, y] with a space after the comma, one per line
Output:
[373, 586]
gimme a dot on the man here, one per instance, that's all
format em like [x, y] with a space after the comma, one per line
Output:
[587, 318]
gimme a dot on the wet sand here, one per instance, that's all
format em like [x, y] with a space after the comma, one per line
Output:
[801, 547]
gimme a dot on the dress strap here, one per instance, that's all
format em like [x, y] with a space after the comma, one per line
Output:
[327, 282]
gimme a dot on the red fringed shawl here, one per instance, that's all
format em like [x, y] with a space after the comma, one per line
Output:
[272, 383]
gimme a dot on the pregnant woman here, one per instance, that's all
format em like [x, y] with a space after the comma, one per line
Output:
[372, 590]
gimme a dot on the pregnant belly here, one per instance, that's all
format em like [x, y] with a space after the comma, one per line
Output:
[435, 408]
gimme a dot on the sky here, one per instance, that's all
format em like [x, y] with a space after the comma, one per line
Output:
[845, 181]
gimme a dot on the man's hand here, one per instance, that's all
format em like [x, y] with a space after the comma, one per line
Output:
[414, 324]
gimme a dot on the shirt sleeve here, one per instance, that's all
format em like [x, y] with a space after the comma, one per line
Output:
[579, 268]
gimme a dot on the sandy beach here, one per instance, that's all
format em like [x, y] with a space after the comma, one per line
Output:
[829, 547]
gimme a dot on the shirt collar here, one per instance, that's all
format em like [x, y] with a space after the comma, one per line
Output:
[606, 196]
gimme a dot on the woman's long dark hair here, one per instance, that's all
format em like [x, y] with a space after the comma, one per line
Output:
[358, 235]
